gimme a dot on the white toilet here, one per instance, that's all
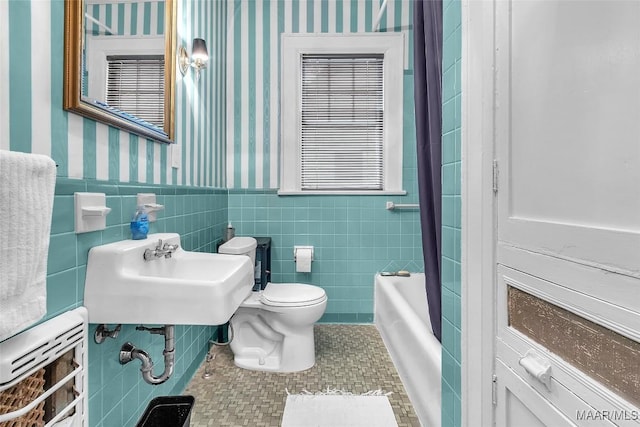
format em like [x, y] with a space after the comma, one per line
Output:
[273, 328]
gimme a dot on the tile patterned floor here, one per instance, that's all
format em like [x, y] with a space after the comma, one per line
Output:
[348, 357]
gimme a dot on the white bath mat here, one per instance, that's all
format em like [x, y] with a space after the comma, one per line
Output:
[338, 410]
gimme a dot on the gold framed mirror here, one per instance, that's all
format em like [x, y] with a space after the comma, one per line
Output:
[131, 52]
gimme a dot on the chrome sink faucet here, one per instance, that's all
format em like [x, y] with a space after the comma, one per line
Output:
[160, 251]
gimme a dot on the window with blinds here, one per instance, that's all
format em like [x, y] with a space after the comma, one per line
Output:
[342, 113]
[135, 85]
[342, 122]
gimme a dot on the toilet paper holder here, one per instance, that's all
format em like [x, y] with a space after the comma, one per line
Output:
[296, 248]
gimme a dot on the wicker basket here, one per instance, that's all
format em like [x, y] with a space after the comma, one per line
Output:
[19, 396]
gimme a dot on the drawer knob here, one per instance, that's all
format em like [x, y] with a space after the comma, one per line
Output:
[538, 367]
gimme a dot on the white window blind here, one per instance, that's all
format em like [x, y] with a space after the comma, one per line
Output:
[342, 114]
[342, 122]
[135, 85]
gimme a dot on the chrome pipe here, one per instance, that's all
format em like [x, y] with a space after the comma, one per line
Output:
[128, 352]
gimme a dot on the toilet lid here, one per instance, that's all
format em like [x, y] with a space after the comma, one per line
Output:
[292, 294]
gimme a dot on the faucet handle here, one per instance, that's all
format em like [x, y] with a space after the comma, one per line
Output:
[159, 245]
[170, 247]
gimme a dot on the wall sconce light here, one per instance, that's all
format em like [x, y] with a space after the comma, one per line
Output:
[199, 57]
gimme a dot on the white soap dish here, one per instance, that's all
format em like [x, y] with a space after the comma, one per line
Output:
[90, 212]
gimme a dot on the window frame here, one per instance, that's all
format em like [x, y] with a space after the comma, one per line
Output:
[391, 45]
[99, 47]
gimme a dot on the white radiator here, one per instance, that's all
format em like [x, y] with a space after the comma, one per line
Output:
[36, 348]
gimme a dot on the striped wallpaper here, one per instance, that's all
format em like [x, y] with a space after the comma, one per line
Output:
[126, 18]
[200, 117]
[32, 118]
[253, 71]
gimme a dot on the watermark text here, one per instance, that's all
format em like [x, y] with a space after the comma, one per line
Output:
[613, 415]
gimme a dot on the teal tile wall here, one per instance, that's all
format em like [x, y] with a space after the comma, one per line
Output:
[451, 212]
[117, 394]
[353, 238]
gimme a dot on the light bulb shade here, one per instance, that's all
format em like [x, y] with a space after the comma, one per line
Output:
[199, 52]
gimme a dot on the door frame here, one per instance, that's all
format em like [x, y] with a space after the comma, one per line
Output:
[479, 219]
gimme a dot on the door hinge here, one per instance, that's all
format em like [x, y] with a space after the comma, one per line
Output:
[494, 390]
[495, 176]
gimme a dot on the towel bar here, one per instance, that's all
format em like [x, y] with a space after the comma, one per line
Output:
[392, 206]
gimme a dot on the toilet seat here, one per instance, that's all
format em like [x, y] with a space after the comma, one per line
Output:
[292, 295]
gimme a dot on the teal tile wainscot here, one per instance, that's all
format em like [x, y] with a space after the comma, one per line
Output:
[353, 238]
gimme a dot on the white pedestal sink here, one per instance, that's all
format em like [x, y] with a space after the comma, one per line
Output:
[183, 288]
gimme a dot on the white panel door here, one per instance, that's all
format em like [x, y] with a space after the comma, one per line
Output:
[567, 142]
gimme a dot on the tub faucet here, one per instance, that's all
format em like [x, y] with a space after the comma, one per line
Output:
[160, 251]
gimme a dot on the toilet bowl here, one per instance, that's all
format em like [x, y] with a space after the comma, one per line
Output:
[273, 328]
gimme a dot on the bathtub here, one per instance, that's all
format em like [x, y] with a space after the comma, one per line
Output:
[402, 317]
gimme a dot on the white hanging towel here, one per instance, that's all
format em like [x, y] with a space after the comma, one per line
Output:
[27, 184]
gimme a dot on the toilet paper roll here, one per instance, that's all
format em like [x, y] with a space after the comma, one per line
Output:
[303, 260]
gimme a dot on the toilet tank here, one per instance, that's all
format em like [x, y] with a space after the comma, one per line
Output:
[240, 246]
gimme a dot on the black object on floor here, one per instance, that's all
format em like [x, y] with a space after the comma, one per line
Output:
[168, 411]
